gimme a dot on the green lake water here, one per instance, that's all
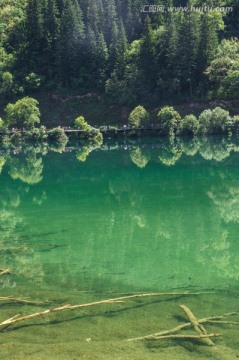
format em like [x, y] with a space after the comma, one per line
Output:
[136, 217]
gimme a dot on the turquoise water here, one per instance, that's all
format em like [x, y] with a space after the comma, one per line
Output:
[146, 216]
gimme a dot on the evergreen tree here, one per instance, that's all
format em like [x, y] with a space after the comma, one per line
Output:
[208, 43]
[148, 56]
[51, 33]
[113, 48]
[34, 28]
[71, 42]
[110, 20]
[187, 51]
[122, 44]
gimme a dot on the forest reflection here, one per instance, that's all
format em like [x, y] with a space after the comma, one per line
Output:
[120, 199]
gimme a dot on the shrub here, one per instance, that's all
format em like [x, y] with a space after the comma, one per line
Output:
[36, 134]
[138, 116]
[169, 119]
[95, 136]
[2, 125]
[230, 85]
[16, 138]
[33, 81]
[23, 112]
[6, 85]
[58, 136]
[189, 125]
[81, 124]
[214, 121]
[235, 124]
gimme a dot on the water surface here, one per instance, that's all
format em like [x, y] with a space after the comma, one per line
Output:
[147, 216]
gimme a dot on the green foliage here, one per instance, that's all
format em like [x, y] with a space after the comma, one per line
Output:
[224, 69]
[169, 119]
[6, 83]
[138, 158]
[189, 125]
[24, 112]
[81, 124]
[231, 85]
[110, 46]
[214, 121]
[2, 124]
[88, 132]
[58, 136]
[36, 134]
[139, 116]
[29, 170]
[32, 81]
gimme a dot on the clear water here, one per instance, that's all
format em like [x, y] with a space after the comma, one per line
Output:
[144, 216]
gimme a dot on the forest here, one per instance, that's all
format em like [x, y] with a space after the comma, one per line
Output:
[125, 51]
[115, 48]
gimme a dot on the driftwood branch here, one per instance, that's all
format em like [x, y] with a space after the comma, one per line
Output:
[223, 322]
[121, 299]
[5, 271]
[199, 328]
[185, 337]
[184, 326]
[21, 300]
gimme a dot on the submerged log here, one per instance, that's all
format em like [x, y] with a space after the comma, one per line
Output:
[214, 319]
[200, 329]
[5, 271]
[121, 299]
[186, 337]
[21, 300]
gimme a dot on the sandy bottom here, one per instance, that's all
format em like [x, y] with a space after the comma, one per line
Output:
[101, 332]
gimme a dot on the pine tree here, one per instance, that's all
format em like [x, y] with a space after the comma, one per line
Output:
[122, 45]
[113, 47]
[187, 51]
[71, 42]
[110, 19]
[148, 56]
[208, 43]
[102, 60]
[51, 33]
[34, 26]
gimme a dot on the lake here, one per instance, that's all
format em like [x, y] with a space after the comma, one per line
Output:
[136, 216]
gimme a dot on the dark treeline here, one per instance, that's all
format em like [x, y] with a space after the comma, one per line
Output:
[112, 46]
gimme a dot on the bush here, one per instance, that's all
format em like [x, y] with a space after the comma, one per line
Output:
[230, 85]
[95, 136]
[169, 119]
[214, 121]
[81, 124]
[16, 138]
[36, 134]
[138, 116]
[189, 125]
[58, 136]
[2, 124]
[33, 81]
[24, 112]
[6, 85]
[235, 124]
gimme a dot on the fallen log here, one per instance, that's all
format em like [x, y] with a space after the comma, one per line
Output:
[21, 300]
[121, 299]
[186, 337]
[5, 271]
[200, 329]
[184, 326]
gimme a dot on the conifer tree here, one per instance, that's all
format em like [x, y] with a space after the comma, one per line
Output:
[148, 55]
